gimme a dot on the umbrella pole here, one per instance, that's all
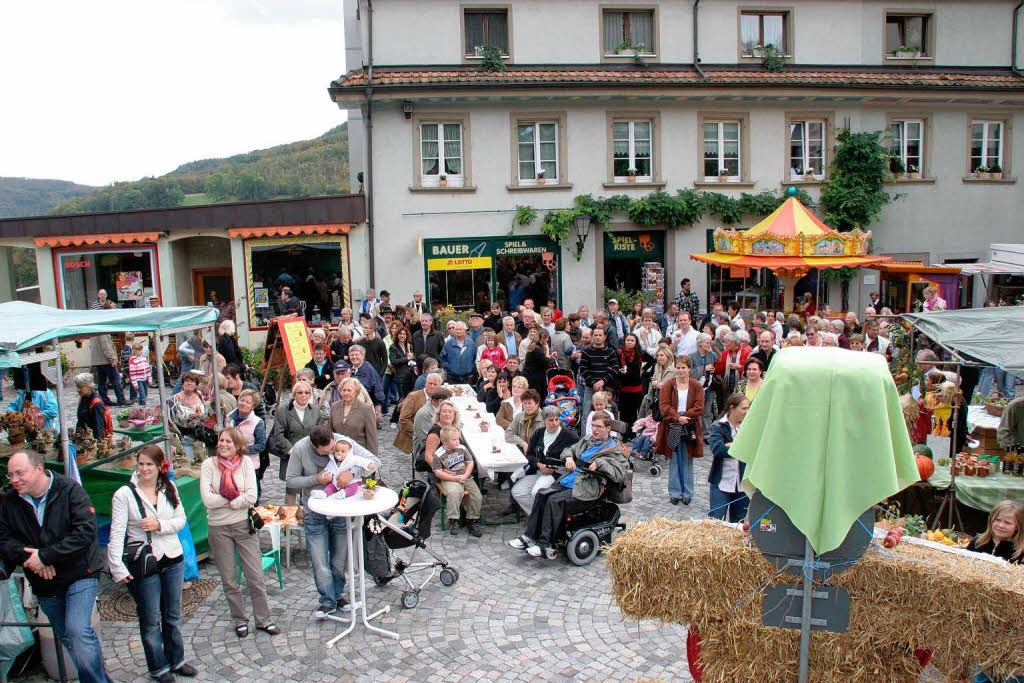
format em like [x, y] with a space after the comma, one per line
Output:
[721, 280]
[161, 340]
[817, 292]
[64, 425]
[216, 372]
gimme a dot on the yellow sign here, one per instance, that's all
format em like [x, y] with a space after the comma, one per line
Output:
[296, 343]
[459, 263]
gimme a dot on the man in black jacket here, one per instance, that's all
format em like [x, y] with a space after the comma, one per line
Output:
[48, 526]
[599, 366]
[543, 458]
[376, 349]
[427, 343]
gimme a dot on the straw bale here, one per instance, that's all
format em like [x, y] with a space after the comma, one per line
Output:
[968, 612]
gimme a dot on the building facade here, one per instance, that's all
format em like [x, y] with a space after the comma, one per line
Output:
[602, 98]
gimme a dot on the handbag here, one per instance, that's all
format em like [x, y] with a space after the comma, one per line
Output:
[255, 521]
[138, 555]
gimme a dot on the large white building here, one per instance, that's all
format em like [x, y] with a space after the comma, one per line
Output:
[449, 151]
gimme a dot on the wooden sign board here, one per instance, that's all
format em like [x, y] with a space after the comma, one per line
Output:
[287, 342]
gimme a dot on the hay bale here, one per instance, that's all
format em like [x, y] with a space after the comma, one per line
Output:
[968, 612]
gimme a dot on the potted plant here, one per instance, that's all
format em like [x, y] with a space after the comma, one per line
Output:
[908, 52]
[913, 171]
[723, 175]
[85, 443]
[540, 176]
[631, 175]
[809, 175]
[122, 419]
[757, 51]
[997, 171]
[982, 171]
[22, 426]
[368, 487]
[622, 47]
[443, 181]
[896, 167]
[478, 51]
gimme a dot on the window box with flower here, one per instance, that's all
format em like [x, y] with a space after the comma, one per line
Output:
[982, 172]
[996, 171]
[913, 172]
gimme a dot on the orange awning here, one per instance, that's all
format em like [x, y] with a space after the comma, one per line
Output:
[918, 268]
[788, 262]
[108, 238]
[290, 230]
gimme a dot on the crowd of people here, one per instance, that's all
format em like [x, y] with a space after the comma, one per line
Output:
[671, 383]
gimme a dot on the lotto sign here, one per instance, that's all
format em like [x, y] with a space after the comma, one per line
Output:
[459, 263]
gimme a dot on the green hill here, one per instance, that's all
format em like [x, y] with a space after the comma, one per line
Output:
[299, 169]
[35, 196]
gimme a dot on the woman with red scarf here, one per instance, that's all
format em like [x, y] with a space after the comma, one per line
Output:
[631, 377]
[227, 486]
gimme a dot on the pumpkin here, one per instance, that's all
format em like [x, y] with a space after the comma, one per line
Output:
[922, 449]
[925, 467]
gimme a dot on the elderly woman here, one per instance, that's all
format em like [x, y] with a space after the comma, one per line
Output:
[838, 328]
[352, 418]
[730, 364]
[187, 409]
[513, 405]
[228, 488]
[353, 327]
[227, 343]
[827, 339]
[306, 375]
[932, 300]
[753, 376]
[853, 325]
[682, 404]
[702, 369]
[662, 369]
[92, 411]
[293, 422]
[252, 428]
[727, 472]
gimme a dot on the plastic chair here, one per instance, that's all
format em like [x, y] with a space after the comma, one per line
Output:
[271, 558]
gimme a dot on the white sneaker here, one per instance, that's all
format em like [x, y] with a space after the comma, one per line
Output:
[322, 612]
[534, 551]
[518, 543]
[550, 554]
[344, 606]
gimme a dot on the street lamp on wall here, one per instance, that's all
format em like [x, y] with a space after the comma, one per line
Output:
[581, 224]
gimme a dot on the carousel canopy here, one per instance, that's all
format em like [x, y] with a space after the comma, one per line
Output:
[791, 240]
[25, 325]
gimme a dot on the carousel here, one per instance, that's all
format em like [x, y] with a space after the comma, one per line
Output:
[790, 242]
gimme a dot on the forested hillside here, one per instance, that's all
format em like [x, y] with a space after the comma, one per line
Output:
[36, 196]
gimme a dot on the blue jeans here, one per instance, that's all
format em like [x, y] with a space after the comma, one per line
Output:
[390, 393]
[158, 606]
[983, 677]
[719, 499]
[1002, 380]
[680, 473]
[70, 616]
[143, 391]
[327, 545]
[642, 445]
[105, 374]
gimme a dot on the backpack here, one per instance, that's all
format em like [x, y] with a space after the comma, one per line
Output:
[108, 423]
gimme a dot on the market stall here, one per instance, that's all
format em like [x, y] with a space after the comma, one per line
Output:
[903, 284]
[790, 242]
[30, 333]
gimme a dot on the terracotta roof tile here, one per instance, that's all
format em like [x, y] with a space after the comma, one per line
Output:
[853, 77]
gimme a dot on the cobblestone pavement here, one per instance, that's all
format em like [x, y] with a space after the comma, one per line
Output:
[509, 617]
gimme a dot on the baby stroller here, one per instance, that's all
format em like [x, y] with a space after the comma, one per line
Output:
[562, 394]
[408, 525]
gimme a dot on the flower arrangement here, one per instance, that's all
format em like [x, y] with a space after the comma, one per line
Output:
[369, 484]
[22, 425]
[45, 440]
[122, 418]
[85, 443]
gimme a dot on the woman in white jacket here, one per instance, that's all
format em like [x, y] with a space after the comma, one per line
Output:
[150, 510]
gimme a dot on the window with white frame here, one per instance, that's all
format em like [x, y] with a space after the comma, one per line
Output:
[986, 145]
[721, 149]
[441, 154]
[538, 151]
[632, 150]
[806, 149]
[906, 146]
[622, 30]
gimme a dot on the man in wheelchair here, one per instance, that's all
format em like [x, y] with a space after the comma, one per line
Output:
[593, 464]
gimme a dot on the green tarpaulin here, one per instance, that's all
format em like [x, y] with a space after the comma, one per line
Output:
[24, 326]
[991, 335]
[825, 440]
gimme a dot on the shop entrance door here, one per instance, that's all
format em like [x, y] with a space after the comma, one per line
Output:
[207, 280]
[625, 254]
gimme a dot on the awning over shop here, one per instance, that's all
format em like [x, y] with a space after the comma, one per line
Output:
[787, 262]
[292, 230]
[992, 335]
[989, 269]
[25, 325]
[106, 238]
[918, 268]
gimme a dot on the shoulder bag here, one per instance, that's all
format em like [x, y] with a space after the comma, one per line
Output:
[138, 555]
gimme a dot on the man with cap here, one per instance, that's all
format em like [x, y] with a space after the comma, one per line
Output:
[332, 392]
[476, 325]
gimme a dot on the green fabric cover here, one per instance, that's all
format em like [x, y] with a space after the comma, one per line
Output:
[992, 335]
[25, 325]
[825, 440]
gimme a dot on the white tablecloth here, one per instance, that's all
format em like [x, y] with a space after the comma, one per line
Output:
[482, 443]
[977, 416]
[355, 506]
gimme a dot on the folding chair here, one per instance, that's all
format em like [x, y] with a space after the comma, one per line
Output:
[271, 558]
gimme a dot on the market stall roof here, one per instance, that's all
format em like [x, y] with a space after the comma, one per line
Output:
[787, 262]
[992, 335]
[987, 268]
[24, 325]
[919, 268]
[806, 447]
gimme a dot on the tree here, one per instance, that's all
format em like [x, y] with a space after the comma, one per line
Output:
[855, 194]
[251, 186]
[218, 186]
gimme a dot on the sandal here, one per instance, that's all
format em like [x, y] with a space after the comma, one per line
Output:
[270, 629]
[242, 630]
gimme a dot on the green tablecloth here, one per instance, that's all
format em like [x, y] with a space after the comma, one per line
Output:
[101, 484]
[981, 493]
[148, 434]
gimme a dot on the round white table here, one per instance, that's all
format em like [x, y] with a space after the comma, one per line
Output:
[354, 509]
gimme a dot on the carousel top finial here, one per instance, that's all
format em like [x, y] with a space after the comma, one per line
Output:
[791, 192]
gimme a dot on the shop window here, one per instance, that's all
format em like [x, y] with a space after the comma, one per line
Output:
[807, 149]
[127, 275]
[486, 27]
[315, 268]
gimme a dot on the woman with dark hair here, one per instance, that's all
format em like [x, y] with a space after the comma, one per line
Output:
[227, 486]
[631, 379]
[727, 472]
[403, 363]
[753, 376]
[149, 510]
[535, 365]
[679, 432]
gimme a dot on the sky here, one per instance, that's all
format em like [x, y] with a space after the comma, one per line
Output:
[96, 92]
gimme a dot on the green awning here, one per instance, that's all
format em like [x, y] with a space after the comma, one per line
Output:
[24, 326]
[992, 335]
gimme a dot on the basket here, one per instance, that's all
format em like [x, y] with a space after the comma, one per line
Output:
[994, 410]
